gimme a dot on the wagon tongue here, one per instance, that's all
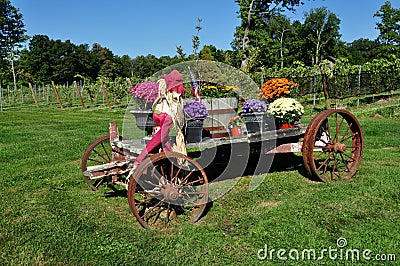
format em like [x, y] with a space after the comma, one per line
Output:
[107, 169]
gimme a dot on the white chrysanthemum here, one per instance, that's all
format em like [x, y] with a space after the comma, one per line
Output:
[286, 109]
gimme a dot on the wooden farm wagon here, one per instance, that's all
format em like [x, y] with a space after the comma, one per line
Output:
[170, 187]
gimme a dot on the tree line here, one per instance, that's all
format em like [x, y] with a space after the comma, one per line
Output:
[265, 41]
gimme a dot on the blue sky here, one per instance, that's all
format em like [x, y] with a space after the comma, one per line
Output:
[156, 27]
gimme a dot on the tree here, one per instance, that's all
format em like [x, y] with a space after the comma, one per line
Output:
[205, 54]
[279, 26]
[104, 60]
[389, 28]
[296, 42]
[254, 14]
[145, 66]
[37, 61]
[12, 34]
[55, 60]
[210, 52]
[362, 51]
[48, 60]
[323, 32]
[125, 66]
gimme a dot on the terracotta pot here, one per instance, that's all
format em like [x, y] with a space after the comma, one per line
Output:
[236, 131]
[284, 125]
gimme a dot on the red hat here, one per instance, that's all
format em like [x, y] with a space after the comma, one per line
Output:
[174, 81]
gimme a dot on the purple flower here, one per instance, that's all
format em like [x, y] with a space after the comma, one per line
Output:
[195, 110]
[254, 106]
[147, 91]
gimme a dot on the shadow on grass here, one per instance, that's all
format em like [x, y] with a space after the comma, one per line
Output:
[281, 162]
[116, 192]
[288, 162]
[258, 165]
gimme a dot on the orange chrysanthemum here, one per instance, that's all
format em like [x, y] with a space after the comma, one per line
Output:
[277, 88]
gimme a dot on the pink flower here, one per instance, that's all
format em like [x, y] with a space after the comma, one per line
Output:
[147, 91]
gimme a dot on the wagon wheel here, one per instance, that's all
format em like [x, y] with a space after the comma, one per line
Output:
[168, 188]
[98, 153]
[333, 146]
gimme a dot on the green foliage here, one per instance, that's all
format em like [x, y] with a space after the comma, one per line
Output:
[251, 36]
[279, 26]
[206, 54]
[196, 39]
[385, 73]
[180, 52]
[210, 52]
[12, 35]
[146, 66]
[389, 24]
[118, 88]
[362, 51]
[298, 69]
[49, 60]
[12, 28]
[389, 30]
[322, 32]
[236, 121]
[54, 60]
[344, 78]
[267, 38]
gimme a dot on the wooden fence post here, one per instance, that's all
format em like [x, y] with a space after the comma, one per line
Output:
[33, 95]
[1, 97]
[129, 82]
[79, 95]
[130, 87]
[57, 95]
[105, 94]
[47, 94]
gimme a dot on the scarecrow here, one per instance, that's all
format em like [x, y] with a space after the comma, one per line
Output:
[167, 113]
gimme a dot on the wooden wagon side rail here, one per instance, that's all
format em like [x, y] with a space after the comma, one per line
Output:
[135, 146]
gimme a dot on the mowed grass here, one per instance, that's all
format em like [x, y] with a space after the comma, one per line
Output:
[49, 216]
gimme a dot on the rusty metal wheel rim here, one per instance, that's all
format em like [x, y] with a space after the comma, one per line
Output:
[158, 196]
[333, 146]
[98, 153]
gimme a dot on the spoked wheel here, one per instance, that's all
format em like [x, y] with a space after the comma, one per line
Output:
[333, 146]
[98, 153]
[167, 189]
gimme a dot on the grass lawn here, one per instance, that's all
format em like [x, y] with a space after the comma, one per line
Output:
[49, 216]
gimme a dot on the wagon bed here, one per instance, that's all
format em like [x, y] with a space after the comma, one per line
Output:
[135, 146]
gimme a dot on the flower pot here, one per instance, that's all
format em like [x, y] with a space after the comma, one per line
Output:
[236, 131]
[220, 110]
[258, 122]
[194, 130]
[144, 120]
[285, 125]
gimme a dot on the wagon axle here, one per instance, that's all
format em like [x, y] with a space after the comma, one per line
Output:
[336, 147]
[170, 193]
